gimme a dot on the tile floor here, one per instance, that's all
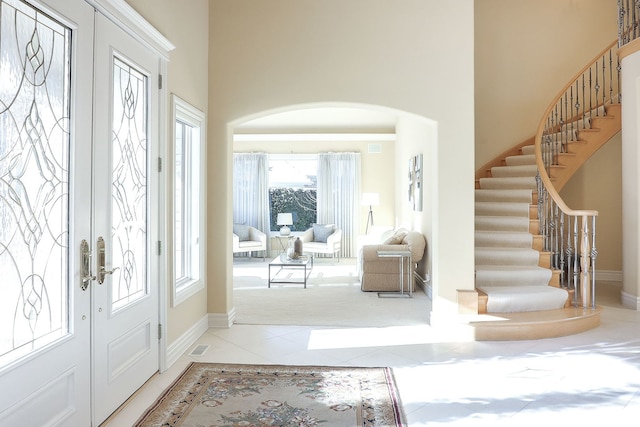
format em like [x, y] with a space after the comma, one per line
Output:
[592, 377]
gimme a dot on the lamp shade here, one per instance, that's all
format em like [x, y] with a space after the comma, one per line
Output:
[284, 219]
[370, 199]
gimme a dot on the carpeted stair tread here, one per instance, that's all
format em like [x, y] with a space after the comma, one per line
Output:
[524, 182]
[502, 239]
[514, 299]
[507, 256]
[501, 223]
[501, 195]
[523, 159]
[514, 171]
[502, 209]
[511, 275]
[530, 149]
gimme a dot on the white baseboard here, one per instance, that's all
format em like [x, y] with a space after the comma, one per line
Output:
[222, 320]
[186, 340]
[609, 275]
[630, 301]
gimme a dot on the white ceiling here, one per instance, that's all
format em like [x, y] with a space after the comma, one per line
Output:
[322, 120]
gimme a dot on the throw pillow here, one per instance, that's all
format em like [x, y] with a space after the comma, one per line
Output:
[396, 238]
[393, 240]
[242, 231]
[322, 231]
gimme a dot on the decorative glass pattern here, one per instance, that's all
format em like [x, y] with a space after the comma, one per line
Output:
[34, 179]
[129, 186]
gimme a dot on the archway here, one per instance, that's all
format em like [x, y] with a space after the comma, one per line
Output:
[390, 136]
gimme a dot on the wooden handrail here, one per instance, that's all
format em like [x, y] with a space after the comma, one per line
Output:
[544, 176]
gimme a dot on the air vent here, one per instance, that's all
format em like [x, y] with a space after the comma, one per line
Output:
[375, 148]
[199, 350]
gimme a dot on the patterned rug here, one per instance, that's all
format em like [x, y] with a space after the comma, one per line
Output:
[225, 395]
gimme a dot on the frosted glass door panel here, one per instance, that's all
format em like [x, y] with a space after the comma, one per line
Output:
[34, 179]
[129, 188]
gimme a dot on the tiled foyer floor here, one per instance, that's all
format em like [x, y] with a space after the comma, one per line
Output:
[586, 379]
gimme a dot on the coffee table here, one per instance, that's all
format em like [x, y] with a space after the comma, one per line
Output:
[281, 264]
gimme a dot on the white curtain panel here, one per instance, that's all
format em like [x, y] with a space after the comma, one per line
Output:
[251, 190]
[339, 196]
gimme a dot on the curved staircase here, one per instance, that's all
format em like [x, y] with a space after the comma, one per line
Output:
[521, 291]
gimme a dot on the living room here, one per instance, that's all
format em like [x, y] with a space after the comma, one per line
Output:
[369, 132]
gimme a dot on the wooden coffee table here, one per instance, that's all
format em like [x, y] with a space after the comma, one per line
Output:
[282, 265]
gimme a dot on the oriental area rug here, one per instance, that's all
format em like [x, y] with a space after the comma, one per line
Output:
[230, 395]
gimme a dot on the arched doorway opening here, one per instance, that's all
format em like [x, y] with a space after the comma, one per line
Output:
[388, 138]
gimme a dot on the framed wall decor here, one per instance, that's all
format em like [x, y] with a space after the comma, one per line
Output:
[415, 183]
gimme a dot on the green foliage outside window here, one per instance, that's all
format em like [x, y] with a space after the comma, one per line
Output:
[302, 203]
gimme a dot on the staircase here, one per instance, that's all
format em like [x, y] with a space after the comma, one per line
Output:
[518, 278]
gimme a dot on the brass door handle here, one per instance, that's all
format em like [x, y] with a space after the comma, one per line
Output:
[102, 271]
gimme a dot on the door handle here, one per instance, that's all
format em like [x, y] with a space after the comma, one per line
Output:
[102, 271]
[86, 265]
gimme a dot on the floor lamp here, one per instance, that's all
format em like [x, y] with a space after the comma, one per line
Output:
[370, 199]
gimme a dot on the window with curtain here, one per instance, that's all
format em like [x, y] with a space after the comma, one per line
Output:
[292, 189]
[339, 195]
[251, 190]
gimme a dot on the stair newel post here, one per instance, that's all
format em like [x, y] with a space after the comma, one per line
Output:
[576, 267]
[585, 286]
[594, 255]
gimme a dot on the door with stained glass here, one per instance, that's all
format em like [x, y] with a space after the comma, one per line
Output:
[125, 310]
[45, 212]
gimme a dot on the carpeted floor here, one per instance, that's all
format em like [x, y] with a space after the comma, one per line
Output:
[227, 395]
[332, 298]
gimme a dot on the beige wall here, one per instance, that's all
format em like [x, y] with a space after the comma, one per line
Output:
[598, 186]
[377, 172]
[269, 56]
[521, 63]
[187, 29]
[520, 67]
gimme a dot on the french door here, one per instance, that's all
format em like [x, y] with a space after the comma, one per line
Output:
[125, 304]
[78, 197]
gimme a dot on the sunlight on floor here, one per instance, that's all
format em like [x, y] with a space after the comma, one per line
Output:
[530, 387]
[323, 339]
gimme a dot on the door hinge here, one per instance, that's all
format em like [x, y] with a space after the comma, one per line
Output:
[159, 81]
[159, 331]
[159, 164]
[159, 247]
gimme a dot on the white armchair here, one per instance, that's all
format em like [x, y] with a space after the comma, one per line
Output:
[322, 239]
[248, 239]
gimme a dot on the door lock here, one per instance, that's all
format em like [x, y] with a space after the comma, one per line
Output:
[102, 271]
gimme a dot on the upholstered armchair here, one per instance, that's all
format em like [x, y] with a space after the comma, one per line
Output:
[382, 274]
[248, 239]
[322, 239]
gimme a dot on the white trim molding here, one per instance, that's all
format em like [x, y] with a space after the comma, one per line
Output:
[609, 275]
[133, 23]
[222, 320]
[186, 340]
[630, 301]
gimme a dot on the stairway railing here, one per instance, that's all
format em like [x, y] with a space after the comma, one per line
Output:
[570, 235]
[628, 21]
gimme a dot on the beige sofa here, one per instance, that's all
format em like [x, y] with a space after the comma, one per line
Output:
[322, 239]
[248, 239]
[381, 274]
